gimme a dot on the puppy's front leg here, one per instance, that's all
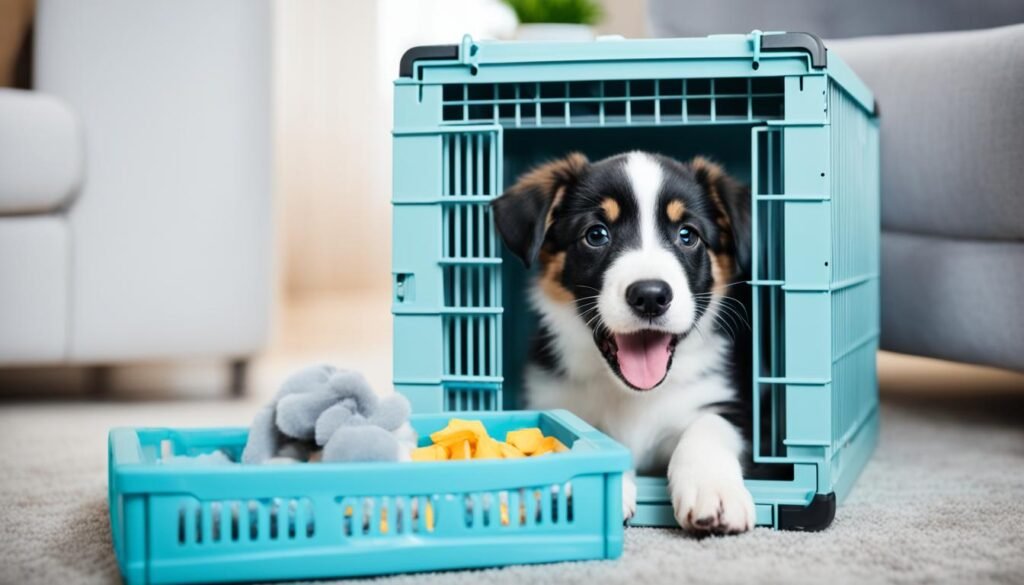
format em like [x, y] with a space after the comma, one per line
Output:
[706, 480]
[628, 495]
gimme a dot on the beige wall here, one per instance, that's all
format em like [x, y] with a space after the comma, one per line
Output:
[332, 145]
[624, 17]
[334, 62]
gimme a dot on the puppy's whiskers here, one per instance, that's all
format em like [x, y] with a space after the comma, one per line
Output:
[733, 315]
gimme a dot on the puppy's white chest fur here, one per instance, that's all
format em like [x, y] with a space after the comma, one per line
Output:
[649, 423]
[642, 359]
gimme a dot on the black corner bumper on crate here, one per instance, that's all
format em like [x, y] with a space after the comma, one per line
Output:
[423, 53]
[817, 515]
[798, 41]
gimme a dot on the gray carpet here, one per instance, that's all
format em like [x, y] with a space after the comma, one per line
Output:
[942, 501]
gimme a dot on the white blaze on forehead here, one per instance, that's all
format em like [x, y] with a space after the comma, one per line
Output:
[645, 177]
[653, 259]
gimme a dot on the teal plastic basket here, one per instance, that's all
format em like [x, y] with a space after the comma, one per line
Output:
[185, 522]
[776, 108]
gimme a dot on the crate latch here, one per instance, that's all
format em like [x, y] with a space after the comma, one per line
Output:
[755, 38]
[467, 54]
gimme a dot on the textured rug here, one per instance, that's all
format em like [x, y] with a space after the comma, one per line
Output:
[941, 501]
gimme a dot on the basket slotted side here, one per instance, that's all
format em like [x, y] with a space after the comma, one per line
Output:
[181, 523]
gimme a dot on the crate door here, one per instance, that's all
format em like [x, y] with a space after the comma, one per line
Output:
[471, 271]
[768, 300]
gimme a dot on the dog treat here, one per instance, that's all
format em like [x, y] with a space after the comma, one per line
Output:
[510, 452]
[430, 453]
[487, 448]
[449, 437]
[475, 426]
[463, 450]
[526, 440]
[468, 439]
[549, 445]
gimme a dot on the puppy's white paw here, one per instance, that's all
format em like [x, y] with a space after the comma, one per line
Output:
[718, 504]
[628, 496]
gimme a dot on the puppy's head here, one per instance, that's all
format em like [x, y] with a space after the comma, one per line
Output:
[640, 246]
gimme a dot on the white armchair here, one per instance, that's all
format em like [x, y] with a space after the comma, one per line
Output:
[135, 191]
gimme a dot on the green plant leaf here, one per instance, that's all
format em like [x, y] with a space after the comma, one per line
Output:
[556, 11]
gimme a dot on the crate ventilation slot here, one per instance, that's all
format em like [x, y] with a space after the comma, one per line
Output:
[616, 102]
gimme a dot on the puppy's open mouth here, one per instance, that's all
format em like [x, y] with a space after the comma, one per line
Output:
[641, 359]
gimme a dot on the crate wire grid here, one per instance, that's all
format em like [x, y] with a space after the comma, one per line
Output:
[617, 102]
[813, 168]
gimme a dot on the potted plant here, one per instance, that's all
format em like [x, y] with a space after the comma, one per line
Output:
[555, 20]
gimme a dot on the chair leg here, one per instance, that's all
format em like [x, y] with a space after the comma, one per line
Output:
[239, 377]
[98, 381]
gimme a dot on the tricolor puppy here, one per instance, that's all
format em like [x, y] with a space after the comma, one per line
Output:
[636, 253]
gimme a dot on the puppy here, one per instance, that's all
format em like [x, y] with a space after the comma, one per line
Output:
[636, 255]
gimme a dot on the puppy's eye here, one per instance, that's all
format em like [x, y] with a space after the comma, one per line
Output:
[597, 236]
[688, 236]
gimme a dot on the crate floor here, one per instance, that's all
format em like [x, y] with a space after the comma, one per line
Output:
[942, 501]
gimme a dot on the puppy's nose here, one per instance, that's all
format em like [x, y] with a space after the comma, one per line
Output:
[649, 298]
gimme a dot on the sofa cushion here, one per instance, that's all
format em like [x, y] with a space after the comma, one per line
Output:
[34, 276]
[953, 299]
[41, 152]
[952, 107]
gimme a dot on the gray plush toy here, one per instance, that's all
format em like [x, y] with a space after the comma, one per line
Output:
[336, 411]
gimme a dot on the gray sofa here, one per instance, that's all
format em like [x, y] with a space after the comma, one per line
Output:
[952, 107]
[952, 190]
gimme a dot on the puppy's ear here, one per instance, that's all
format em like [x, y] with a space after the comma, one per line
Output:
[524, 213]
[732, 200]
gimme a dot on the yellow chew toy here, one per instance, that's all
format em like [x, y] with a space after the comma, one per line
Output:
[510, 452]
[526, 440]
[468, 439]
[477, 427]
[430, 453]
[463, 450]
[487, 448]
[448, 437]
[549, 445]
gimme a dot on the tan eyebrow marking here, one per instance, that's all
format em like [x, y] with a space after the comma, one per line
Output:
[611, 209]
[675, 210]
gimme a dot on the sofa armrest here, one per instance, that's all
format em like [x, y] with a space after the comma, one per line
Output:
[41, 152]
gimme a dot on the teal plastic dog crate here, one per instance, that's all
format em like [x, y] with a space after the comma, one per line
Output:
[776, 108]
[182, 521]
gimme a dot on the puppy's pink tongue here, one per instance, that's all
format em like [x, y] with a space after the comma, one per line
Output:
[643, 357]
